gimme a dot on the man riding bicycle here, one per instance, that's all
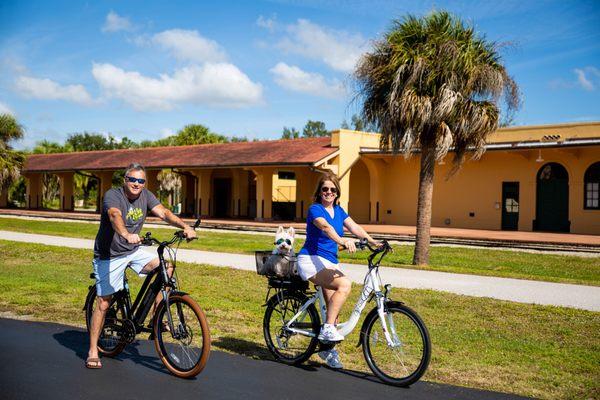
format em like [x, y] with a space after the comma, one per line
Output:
[117, 244]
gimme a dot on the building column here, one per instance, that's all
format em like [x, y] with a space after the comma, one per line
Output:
[152, 181]
[236, 192]
[67, 200]
[264, 193]
[345, 191]
[244, 200]
[188, 194]
[376, 169]
[104, 184]
[203, 200]
[303, 189]
[33, 196]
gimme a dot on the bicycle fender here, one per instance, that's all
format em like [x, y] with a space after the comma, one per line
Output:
[363, 328]
[177, 293]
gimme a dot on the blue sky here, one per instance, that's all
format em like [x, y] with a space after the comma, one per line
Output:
[144, 69]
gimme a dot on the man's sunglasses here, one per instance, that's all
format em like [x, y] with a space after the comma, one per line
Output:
[326, 189]
[279, 241]
[131, 179]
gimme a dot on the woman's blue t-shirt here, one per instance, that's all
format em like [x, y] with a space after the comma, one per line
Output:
[317, 242]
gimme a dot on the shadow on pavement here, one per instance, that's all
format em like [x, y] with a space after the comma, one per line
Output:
[78, 342]
[254, 350]
[243, 347]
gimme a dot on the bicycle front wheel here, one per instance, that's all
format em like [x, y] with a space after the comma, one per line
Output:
[405, 360]
[287, 346]
[185, 350]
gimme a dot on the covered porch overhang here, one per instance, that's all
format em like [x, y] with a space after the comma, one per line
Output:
[234, 180]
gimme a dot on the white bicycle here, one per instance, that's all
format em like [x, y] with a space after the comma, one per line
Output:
[395, 340]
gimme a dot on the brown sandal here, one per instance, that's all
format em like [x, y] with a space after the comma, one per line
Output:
[93, 363]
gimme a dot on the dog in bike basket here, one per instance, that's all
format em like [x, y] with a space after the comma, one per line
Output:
[281, 262]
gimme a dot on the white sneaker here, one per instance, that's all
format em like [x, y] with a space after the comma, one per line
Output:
[329, 334]
[332, 358]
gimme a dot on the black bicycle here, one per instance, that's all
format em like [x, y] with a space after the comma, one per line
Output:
[179, 327]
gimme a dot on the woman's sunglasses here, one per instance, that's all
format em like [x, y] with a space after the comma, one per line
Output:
[326, 189]
[131, 179]
[279, 241]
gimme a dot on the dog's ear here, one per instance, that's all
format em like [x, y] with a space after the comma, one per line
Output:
[291, 231]
[280, 229]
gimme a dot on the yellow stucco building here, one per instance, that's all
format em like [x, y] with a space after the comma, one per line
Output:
[534, 178]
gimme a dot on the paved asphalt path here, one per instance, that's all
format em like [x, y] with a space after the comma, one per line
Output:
[46, 361]
[519, 290]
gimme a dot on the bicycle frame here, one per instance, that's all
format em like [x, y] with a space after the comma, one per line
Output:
[371, 289]
[157, 281]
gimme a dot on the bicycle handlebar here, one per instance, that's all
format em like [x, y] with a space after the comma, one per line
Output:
[148, 240]
[364, 244]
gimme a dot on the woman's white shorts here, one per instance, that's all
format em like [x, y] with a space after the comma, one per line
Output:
[308, 266]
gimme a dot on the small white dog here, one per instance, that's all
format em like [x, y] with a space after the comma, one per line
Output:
[284, 246]
[284, 241]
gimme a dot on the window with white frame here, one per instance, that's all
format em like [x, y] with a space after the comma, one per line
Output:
[591, 185]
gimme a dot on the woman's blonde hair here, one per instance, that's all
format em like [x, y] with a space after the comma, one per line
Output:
[327, 177]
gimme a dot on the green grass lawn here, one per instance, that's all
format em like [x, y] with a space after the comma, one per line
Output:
[509, 264]
[540, 351]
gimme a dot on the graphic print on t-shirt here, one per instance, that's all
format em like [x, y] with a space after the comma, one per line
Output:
[134, 214]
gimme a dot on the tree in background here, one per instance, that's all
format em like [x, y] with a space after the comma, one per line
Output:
[51, 187]
[290, 133]
[314, 129]
[189, 134]
[431, 85]
[11, 161]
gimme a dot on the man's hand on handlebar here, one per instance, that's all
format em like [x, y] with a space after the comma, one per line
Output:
[189, 233]
[133, 238]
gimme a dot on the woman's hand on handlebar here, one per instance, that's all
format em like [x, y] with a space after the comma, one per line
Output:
[350, 245]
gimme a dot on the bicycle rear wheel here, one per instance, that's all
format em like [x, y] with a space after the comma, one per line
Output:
[110, 342]
[185, 351]
[289, 347]
[406, 360]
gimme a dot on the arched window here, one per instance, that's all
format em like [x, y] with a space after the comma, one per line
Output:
[591, 185]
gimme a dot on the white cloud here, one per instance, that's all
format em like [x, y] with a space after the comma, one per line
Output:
[166, 132]
[588, 77]
[46, 89]
[266, 23]
[297, 80]
[213, 84]
[4, 109]
[188, 45]
[338, 49]
[115, 23]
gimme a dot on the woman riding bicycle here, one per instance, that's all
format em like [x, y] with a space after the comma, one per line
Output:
[318, 262]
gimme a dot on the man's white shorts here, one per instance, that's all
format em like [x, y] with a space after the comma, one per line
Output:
[110, 273]
[308, 266]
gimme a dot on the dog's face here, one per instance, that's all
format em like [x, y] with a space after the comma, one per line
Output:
[284, 240]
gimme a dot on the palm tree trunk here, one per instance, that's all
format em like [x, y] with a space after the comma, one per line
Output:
[423, 239]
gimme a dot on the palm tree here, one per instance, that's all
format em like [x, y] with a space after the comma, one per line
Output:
[431, 85]
[11, 161]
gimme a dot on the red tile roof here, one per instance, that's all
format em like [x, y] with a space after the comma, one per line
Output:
[274, 152]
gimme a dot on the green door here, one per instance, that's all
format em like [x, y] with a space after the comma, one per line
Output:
[510, 206]
[552, 202]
